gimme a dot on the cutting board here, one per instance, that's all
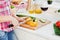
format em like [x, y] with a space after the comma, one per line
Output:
[40, 24]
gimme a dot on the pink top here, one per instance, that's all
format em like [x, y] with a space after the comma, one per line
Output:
[4, 10]
[4, 7]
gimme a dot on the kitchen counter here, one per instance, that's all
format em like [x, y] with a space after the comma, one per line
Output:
[47, 32]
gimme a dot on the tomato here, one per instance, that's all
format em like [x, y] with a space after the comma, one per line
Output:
[58, 24]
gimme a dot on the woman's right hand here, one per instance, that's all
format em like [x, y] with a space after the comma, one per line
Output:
[9, 18]
[16, 2]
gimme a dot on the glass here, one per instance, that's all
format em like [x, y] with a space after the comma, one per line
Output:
[35, 7]
[31, 10]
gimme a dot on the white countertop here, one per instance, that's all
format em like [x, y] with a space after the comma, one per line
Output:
[47, 31]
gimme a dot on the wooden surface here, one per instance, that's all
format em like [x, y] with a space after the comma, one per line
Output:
[40, 24]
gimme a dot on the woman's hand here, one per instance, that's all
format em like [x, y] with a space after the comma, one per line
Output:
[22, 19]
[9, 18]
[16, 2]
[14, 21]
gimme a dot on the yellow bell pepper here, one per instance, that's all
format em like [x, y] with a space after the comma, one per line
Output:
[31, 23]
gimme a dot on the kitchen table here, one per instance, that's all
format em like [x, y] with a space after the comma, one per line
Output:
[44, 33]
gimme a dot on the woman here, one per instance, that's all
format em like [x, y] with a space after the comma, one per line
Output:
[7, 21]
